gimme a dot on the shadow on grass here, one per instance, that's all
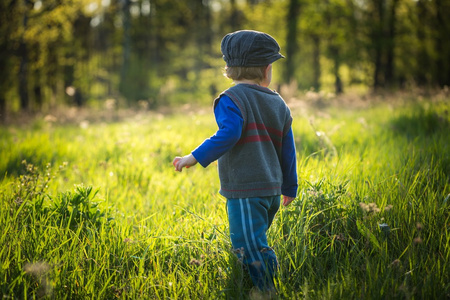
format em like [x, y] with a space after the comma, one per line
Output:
[429, 130]
[422, 123]
[239, 283]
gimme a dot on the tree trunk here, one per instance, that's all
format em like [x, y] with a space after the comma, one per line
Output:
[23, 68]
[37, 91]
[209, 35]
[338, 88]
[252, 2]
[316, 62]
[8, 13]
[2, 108]
[442, 69]
[333, 50]
[126, 47]
[23, 79]
[390, 45]
[377, 80]
[236, 17]
[378, 42]
[423, 58]
[291, 39]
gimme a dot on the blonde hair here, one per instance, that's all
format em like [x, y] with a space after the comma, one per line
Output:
[249, 73]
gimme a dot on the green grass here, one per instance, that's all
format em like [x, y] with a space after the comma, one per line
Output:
[98, 211]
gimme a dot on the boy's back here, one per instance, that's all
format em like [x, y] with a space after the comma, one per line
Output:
[253, 165]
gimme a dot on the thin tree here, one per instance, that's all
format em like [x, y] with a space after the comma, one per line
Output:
[378, 42]
[442, 42]
[10, 20]
[390, 44]
[23, 54]
[291, 39]
[126, 46]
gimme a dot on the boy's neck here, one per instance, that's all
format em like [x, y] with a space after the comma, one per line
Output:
[247, 81]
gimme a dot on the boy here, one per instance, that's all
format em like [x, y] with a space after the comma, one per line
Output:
[255, 149]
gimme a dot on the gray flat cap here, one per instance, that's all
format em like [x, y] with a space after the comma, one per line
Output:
[249, 48]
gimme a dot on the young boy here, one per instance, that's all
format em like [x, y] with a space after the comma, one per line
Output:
[255, 149]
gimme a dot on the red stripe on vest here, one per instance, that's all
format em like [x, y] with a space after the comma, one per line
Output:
[254, 126]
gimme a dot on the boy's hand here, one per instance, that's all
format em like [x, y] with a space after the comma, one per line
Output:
[287, 200]
[185, 161]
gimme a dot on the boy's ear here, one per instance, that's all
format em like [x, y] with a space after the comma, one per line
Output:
[267, 70]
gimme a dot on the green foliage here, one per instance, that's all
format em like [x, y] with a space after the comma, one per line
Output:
[29, 200]
[165, 52]
[39, 229]
[75, 208]
[371, 219]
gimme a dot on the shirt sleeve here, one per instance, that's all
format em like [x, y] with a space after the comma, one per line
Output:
[289, 166]
[230, 122]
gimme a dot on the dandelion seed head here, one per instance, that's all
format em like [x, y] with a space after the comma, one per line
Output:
[340, 237]
[370, 208]
[419, 226]
[395, 263]
[364, 206]
[37, 269]
[40, 271]
[195, 262]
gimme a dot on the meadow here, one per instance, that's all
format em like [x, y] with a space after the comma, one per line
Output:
[95, 210]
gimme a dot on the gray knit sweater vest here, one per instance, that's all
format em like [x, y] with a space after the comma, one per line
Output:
[252, 168]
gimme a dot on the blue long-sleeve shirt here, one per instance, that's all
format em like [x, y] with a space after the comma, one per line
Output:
[230, 122]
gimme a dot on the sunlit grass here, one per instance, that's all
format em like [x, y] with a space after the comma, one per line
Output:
[109, 217]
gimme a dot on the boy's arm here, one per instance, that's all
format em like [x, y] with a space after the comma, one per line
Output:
[230, 123]
[289, 168]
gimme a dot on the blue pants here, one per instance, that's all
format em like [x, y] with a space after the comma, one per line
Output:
[249, 219]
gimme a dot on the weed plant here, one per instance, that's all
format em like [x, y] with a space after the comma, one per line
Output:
[97, 212]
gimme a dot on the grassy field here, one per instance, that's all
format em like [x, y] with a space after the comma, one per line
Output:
[95, 210]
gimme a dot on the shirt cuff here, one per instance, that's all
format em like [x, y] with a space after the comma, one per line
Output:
[198, 155]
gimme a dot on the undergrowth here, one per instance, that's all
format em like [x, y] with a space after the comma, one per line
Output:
[103, 215]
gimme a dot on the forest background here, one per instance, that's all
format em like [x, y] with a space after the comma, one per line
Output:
[98, 96]
[152, 53]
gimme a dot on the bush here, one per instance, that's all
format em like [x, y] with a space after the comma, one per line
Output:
[37, 226]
